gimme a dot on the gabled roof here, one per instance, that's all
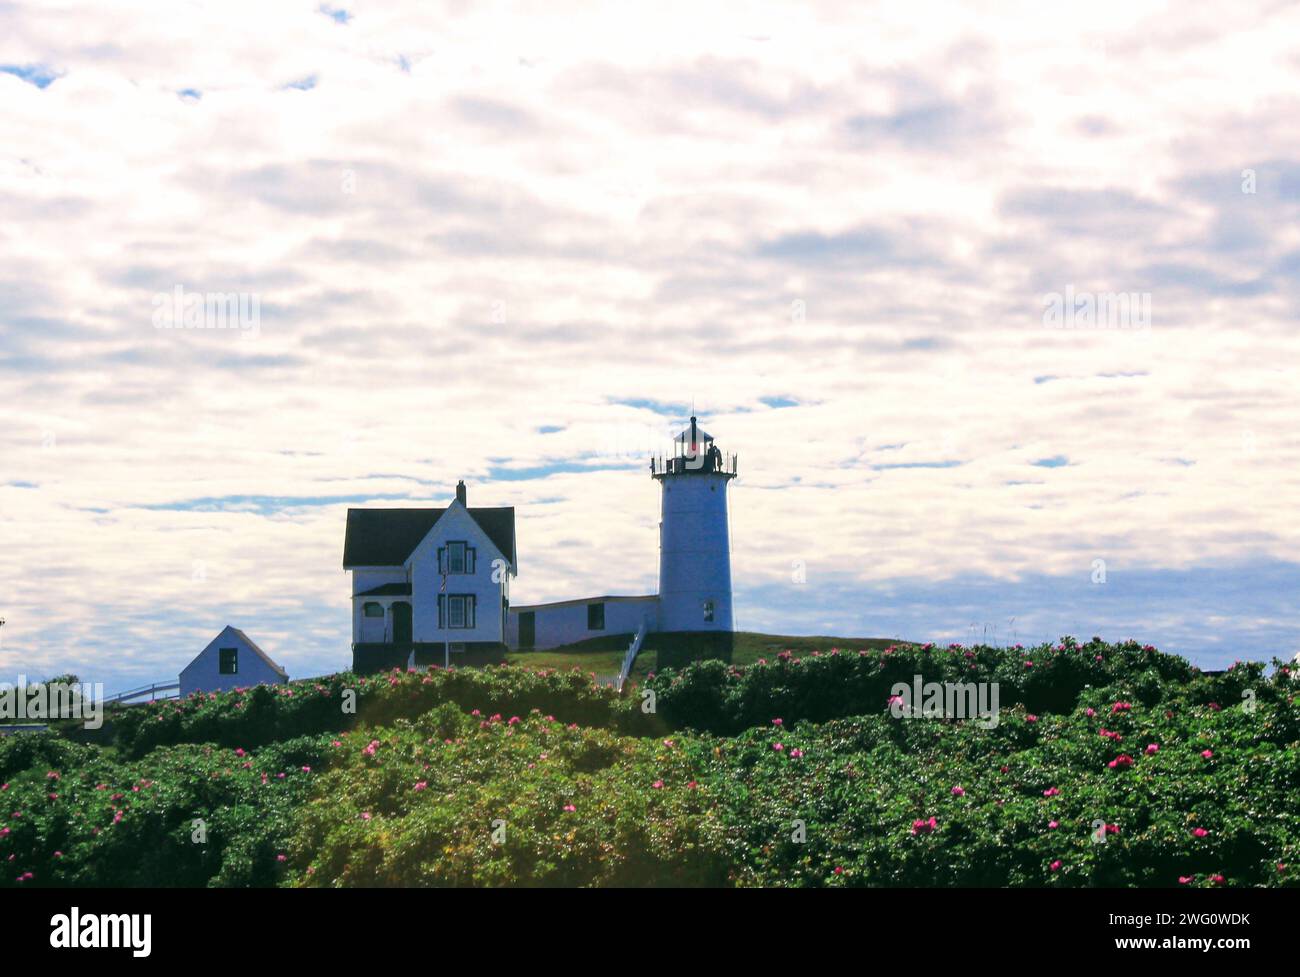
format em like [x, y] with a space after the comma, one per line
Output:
[259, 652]
[386, 537]
[252, 646]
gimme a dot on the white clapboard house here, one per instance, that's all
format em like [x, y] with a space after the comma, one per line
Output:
[232, 660]
[434, 584]
[429, 583]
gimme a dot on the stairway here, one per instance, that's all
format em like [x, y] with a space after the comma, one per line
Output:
[632, 651]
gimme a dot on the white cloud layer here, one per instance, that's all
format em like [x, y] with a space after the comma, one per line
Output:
[487, 237]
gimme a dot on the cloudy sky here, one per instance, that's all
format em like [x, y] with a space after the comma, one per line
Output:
[513, 243]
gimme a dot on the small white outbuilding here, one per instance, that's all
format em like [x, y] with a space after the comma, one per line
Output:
[230, 661]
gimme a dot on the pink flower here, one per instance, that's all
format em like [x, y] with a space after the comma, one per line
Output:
[920, 827]
[1217, 879]
[281, 858]
[691, 785]
[1152, 748]
[239, 751]
[1185, 879]
[1053, 825]
[336, 743]
[1055, 865]
[1029, 664]
[958, 792]
[569, 807]
[1051, 791]
[777, 722]
[1208, 754]
[839, 870]
[1031, 718]
[1090, 712]
[1123, 760]
[778, 747]
[422, 785]
[365, 815]
[658, 785]
[306, 769]
[1199, 832]
[796, 753]
[513, 721]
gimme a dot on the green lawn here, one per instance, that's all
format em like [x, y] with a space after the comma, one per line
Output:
[749, 647]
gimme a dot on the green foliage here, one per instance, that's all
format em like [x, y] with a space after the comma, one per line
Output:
[417, 785]
[267, 713]
[466, 800]
[90, 820]
[719, 698]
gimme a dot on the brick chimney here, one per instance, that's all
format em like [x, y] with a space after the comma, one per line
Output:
[460, 492]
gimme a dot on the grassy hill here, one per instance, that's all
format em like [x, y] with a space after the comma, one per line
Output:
[604, 656]
[1109, 765]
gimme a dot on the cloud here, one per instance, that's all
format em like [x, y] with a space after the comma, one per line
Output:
[501, 249]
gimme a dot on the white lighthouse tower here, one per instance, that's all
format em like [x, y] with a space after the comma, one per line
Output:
[694, 546]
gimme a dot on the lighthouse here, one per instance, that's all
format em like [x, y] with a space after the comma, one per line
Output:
[695, 618]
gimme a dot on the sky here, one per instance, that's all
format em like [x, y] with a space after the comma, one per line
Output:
[515, 243]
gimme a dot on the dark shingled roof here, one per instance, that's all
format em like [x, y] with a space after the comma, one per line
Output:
[388, 590]
[386, 537]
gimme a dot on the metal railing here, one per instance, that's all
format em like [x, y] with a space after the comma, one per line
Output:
[632, 651]
[146, 690]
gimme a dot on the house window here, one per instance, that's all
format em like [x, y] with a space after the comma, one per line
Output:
[371, 609]
[229, 661]
[457, 558]
[595, 617]
[456, 611]
[708, 611]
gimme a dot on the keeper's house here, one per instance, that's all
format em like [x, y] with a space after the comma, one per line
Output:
[430, 582]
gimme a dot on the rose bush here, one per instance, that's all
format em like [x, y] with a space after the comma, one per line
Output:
[1124, 767]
